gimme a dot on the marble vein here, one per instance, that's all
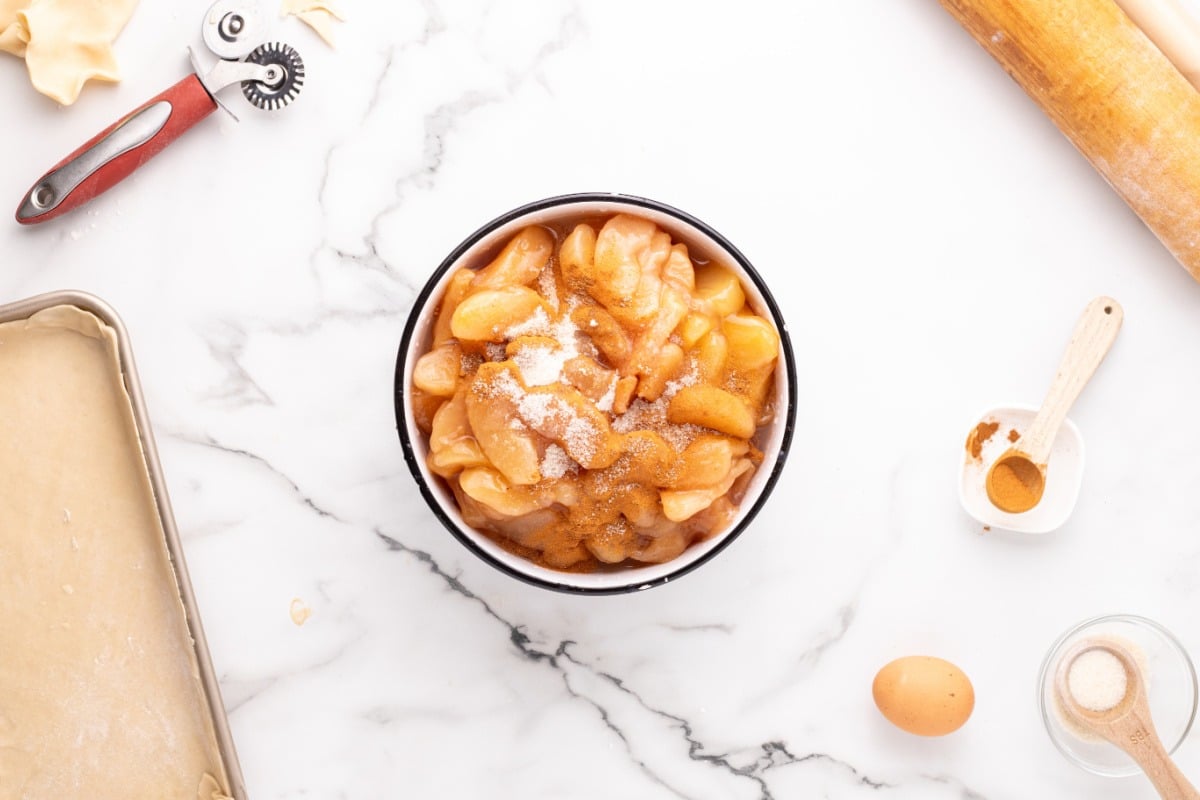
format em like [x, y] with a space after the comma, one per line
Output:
[207, 441]
[439, 123]
[695, 748]
[239, 385]
[776, 755]
[434, 24]
[370, 259]
[718, 627]
[843, 619]
[570, 27]
[771, 754]
[257, 688]
[524, 645]
[516, 633]
[235, 693]
[616, 730]
[965, 792]
[327, 315]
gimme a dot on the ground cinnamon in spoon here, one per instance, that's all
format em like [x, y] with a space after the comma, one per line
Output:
[1015, 484]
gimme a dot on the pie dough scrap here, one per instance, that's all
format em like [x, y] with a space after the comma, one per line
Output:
[100, 694]
[14, 36]
[299, 611]
[317, 14]
[65, 43]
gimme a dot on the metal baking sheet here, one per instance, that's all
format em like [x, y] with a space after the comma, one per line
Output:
[212, 697]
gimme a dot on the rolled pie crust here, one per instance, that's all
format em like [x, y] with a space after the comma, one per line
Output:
[100, 691]
[65, 43]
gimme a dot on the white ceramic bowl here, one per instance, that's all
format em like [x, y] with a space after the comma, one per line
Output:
[1064, 474]
[703, 242]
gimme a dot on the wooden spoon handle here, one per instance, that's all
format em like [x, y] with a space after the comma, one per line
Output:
[1094, 335]
[1139, 739]
[1170, 782]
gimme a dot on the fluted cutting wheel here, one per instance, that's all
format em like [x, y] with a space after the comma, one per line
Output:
[278, 93]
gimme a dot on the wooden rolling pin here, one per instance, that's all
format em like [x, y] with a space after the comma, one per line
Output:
[1115, 95]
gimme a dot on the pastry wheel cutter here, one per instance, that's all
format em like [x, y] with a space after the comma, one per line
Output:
[270, 74]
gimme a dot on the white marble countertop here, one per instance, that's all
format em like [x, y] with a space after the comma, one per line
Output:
[931, 238]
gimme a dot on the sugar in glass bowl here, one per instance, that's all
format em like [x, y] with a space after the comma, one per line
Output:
[704, 245]
[1170, 686]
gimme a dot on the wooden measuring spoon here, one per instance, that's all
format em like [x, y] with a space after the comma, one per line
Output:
[1127, 724]
[1017, 479]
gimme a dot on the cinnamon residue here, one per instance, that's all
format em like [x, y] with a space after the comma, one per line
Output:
[979, 435]
[1013, 435]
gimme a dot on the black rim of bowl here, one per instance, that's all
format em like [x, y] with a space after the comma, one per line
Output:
[410, 457]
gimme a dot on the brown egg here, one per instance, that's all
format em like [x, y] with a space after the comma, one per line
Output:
[924, 695]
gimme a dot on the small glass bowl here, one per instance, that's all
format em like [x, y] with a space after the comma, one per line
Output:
[1170, 685]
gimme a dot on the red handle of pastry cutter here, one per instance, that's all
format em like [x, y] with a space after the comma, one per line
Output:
[114, 153]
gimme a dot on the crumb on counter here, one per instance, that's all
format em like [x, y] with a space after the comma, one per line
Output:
[316, 14]
[300, 612]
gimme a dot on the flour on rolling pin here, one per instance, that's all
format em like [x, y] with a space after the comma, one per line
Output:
[1119, 99]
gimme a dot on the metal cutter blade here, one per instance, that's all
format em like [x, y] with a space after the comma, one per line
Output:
[232, 28]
